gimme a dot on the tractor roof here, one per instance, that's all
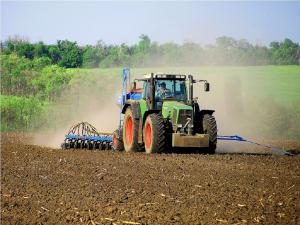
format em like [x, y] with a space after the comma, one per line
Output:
[165, 76]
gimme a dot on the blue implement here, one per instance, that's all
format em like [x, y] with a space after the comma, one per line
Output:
[274, 150]
[231, 138]
[83, 135]
[88, 138]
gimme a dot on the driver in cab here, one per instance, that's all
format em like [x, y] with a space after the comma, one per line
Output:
[163, 91]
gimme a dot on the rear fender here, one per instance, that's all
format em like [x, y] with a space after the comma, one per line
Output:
[148, 113]
[125, 106]
[135, 107]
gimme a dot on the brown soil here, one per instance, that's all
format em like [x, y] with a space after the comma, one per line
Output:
[49, 186]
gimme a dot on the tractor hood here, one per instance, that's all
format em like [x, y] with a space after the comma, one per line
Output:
[169, 105]
[170, 109]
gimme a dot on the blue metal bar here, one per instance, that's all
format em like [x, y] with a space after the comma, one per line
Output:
[231, 138]
[88, 138]
[275, 150]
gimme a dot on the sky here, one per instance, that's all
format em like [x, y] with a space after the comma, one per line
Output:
[123, 22]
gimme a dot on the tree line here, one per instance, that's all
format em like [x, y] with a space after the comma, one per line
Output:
[225, 51]
[29, 90]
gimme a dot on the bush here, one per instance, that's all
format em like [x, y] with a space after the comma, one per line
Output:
[20, 113]
[51, 82]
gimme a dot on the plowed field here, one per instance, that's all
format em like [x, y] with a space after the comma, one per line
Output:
[42, 185]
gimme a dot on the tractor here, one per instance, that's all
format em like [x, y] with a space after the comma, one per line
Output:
[162, 115]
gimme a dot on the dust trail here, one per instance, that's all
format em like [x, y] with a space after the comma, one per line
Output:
[240, 110]
[93, 101]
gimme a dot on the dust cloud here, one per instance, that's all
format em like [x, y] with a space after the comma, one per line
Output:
[92, 99]
[239, 109]
[247, 112]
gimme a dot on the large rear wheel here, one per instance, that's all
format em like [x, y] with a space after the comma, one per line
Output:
[210, 128]
[154, 133]
[130, 132]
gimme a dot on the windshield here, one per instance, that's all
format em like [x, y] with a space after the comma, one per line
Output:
[170, 90]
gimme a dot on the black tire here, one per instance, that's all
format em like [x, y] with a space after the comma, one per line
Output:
[76, 145]
[154, 134]
[103, 145]
[89, 145]
[130, 132]
[81, 145]
[210, 127]
[117, 140]
[71, 144]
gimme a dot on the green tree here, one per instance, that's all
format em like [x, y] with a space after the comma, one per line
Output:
[226, 51]
[91, 56]
[142, 50]
[20, 113]
[54, 54]
[285, 52]
[25, 49]
[191, 54]
[71, 54]
[125, 55]
[41, 62]
[112, 59]
[40, 50]
[15, 74]
[171, 54]
[51, 82]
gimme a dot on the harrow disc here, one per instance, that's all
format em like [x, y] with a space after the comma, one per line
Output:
[85, 136]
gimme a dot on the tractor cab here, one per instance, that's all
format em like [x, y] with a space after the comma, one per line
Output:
[170, 89]
[165, 88]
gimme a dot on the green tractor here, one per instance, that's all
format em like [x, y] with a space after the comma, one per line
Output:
[162, 115]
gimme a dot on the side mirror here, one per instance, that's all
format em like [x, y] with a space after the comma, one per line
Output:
[206, 87]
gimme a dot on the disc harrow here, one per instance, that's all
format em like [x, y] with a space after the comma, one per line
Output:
[85, 136]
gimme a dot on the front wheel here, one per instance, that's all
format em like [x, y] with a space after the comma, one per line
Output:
[210, 127]
[154, 133]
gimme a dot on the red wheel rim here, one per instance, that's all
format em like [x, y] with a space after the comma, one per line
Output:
[129, 130]
[115, 140]
[148, 135]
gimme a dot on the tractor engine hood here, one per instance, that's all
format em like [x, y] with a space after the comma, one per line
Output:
[177, 112]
